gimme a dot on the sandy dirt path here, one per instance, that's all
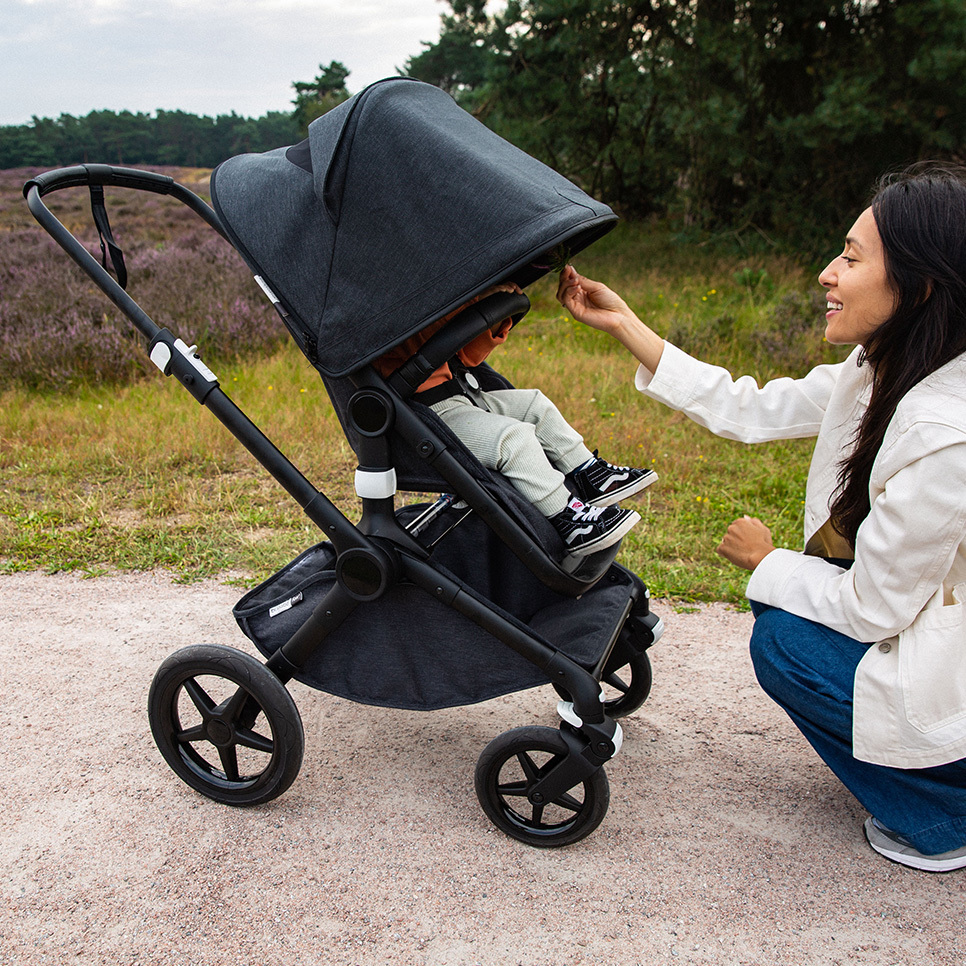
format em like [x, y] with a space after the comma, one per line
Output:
[726, 842]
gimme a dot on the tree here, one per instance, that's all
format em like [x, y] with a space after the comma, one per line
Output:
[317, 97]
[776, 114]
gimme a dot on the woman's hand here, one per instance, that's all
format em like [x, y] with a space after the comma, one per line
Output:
[594, 304]
[747, 543]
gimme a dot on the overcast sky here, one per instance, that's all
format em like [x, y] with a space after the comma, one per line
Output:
[202, 56]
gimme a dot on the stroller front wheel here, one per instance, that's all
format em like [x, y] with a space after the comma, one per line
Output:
[511, 764]
[225, 724]
[625, 680]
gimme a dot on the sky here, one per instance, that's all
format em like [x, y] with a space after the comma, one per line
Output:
[205, 57]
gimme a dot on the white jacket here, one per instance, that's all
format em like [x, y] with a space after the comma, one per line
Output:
[904, 591]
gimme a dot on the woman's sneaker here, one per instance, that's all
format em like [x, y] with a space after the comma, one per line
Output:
[894, 846]
[602, 484]
[585, 529]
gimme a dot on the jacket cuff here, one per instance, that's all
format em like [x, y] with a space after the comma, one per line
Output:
[672, 383]
[771, 576]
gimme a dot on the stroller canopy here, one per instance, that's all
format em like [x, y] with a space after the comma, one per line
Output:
[397, 209]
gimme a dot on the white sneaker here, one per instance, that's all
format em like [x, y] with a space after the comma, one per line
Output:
[894, 846]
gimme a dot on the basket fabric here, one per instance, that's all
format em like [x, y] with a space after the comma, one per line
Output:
[408, 650]
[397, 209]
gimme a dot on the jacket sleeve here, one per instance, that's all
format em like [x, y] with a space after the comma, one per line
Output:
[738, 408]
[904, 550]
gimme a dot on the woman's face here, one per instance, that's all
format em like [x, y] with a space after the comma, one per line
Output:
[860, 297]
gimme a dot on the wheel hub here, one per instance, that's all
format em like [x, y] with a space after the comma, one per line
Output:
[219, 733]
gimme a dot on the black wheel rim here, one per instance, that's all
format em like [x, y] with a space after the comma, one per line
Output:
[225, 724]
[546, 819]
[626, 680]
[216, 737]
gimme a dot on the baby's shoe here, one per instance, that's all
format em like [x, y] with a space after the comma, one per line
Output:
[602, 484]
[586, 529]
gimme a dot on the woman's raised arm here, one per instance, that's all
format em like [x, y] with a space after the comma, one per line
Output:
[594, 304]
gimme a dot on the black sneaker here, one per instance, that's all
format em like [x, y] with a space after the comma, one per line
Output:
[586, 529]
[603, 484]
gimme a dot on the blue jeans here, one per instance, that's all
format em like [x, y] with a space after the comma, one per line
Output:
[809, 670]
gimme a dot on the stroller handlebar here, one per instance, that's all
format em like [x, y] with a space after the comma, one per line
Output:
[80, 175]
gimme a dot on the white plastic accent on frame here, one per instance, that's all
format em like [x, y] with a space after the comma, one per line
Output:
[375, 484]
[161, 355]
[618, 739]
[191, 354]
[565, 709]
[263, 285]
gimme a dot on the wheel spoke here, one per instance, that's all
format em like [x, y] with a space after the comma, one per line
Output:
[197, 733]
[229, 763]
[251, 739]
[569, 802]
[199, 697]
[528, 765]
[231, 708]
[537, 817]
[514, 788]
[615, 682]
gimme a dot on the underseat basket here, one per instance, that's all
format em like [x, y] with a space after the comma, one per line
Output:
[409, 650]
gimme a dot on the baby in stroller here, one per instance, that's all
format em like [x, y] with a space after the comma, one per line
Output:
[521, 434]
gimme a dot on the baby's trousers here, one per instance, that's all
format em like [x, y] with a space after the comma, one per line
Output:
[524, 437]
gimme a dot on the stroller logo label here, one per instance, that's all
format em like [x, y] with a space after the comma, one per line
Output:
[285, 605]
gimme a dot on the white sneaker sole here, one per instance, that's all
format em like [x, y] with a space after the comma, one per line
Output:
[607, 539]
[907, 855]
[615, 496]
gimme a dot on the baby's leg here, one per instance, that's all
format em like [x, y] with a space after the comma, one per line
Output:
[508, 446]
[562, 443]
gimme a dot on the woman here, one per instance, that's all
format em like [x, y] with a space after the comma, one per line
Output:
[861, 638]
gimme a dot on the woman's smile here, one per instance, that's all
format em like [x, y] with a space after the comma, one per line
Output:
[860, 297]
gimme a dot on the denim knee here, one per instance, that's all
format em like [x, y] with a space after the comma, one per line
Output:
[772, 632]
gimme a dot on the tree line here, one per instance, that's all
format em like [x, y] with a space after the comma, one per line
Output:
[168, 137]
[126, 138]
[769, 118]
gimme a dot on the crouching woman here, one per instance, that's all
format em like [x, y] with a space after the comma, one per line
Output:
[861, 638]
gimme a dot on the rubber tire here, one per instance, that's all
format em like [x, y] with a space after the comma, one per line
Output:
[635, 689]
[194, 757]
[585, 815]
[624, 655]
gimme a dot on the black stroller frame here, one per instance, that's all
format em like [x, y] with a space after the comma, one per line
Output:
[541, 785]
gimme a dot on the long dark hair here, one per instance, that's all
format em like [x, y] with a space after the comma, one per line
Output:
[920, 214]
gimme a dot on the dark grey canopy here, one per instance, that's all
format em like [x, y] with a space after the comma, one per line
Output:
[397, 208]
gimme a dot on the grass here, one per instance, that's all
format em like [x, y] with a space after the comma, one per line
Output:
[136, 476]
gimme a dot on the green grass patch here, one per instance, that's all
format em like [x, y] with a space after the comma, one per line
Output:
[139, 476]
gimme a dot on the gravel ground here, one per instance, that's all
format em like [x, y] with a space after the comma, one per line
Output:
[726, 841]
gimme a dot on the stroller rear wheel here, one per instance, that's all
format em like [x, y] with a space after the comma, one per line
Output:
[511, 764]
[225, 724]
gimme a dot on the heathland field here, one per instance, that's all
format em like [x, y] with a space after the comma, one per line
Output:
[106, 464]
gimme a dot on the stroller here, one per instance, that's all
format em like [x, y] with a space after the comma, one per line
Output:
[397, 209]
